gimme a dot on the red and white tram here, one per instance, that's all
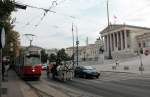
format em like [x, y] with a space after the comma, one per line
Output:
[28, 64]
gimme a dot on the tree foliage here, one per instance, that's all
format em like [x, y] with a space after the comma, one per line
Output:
[52, 57]
[62, 55]
[6, 7]
[12, 37]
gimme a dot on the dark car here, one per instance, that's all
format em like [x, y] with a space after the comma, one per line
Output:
[44, 66]
[86, 72]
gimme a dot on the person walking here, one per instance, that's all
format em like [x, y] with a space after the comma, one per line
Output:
[7, 68]
[117, 61]
[47, 70]
[3, 70]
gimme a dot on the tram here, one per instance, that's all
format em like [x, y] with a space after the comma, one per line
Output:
[28, 64]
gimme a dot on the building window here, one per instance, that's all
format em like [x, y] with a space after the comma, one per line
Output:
[139, 44]
[144, 44]
[115, 39]
[123, 36]
[119, 42]
[128, 32]
[128, 46]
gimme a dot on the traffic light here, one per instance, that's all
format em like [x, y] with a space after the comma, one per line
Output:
[20, 6]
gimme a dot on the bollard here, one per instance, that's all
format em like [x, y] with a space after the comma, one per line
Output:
[114, 67]
[126, 67]
[141, 68]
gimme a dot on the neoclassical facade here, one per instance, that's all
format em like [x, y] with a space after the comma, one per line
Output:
[143, 40]
[120, 39]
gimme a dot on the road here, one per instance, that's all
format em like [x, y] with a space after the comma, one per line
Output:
[110, 84]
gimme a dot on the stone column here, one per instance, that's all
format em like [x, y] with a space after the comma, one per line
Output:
[117, 41]
[121, 40]
[125, 37]
[104, 37]
[107, 43]
[110, 41]
[114, 42]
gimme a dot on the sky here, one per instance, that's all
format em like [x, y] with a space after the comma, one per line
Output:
[89, 17]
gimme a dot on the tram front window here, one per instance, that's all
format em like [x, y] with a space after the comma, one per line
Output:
[33, 60]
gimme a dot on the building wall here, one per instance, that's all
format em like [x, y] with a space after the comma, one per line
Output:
[90, 52]
[144, 41]
[128, 44]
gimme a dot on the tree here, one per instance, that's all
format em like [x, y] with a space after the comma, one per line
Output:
[44, 56]
[6, 7]
[12, 37]
[62, 55]
[52, 58]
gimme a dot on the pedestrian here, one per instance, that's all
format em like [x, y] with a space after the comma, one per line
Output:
[7, 68]
[47, 70]
[117, 61]
[3, 70]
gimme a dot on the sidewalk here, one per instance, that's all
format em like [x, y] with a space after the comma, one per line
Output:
[131, 66]
[13, 86]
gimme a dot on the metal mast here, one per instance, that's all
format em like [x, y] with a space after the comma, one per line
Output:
[73, 43]
[77, 44]
[109, 53]
[30, 38]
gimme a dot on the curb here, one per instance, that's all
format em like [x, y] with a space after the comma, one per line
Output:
[118, 72]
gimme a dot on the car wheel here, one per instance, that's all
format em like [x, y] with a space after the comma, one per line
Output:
[84, 76]
[76, 75]
[97, 76]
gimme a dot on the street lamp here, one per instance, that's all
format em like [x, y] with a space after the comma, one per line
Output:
[30, 38]
[109, 52]
[141, 68]
[77, 46]
[73, 43]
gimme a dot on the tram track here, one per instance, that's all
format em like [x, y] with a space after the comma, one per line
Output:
[37, 91]
[44, 90]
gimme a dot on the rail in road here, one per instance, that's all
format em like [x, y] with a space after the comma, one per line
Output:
[108, 85]
[39, 93]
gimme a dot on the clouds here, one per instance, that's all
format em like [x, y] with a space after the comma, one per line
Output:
[90, 17]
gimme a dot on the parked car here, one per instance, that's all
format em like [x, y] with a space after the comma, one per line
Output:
[86, 72]
[44, 66]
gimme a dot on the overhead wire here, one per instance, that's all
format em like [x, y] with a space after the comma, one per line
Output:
[54, 4]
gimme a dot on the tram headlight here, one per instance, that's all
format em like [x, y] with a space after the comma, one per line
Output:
[33, 70]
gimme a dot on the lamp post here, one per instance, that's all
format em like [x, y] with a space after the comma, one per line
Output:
[109, 52]
[30, 38]
[141, 67]
[77, 46]
[73, 43]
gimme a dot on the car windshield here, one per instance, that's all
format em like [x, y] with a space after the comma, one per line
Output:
[88, 68]
[44, 65]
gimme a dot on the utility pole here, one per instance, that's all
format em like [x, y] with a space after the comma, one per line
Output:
[77, 44]
[73, 43]
[109, 53]
[30, 37]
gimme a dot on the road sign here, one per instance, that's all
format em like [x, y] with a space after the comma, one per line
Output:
[2, 37]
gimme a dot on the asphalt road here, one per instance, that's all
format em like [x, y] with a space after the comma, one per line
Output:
[108, 85]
